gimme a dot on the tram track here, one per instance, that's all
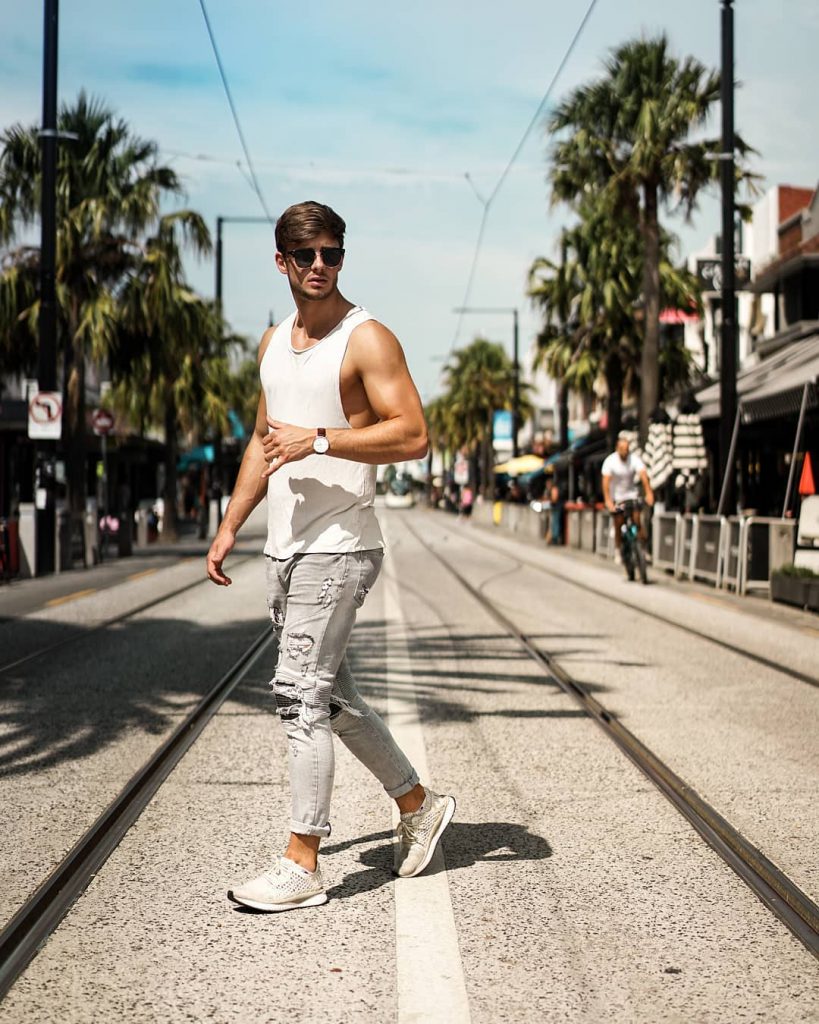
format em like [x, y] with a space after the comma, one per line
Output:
[81, 634]
[758, 659]
[40, 915]
[770, 884]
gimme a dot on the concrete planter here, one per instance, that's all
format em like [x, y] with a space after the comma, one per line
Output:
[796, 590]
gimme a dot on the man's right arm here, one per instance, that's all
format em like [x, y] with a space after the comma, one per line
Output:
[249, 489]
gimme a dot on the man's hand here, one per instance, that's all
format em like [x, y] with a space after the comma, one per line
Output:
[285, 443]
[219, 550]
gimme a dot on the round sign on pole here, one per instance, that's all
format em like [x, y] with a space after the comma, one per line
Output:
[45, 414]
[102, 421]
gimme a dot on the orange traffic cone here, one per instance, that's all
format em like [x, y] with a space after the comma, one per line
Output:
[806, 484]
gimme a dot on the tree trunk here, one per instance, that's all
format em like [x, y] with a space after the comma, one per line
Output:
[170, 530]
[563, 414]
[650, 362]
[614, 403]
[488, 483]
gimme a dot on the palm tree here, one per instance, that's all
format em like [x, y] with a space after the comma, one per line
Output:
[168, 363]
[109, 186]
[592, 303]
[630, 134]
[479, 381]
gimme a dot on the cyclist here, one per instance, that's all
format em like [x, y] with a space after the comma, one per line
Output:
[621, 472]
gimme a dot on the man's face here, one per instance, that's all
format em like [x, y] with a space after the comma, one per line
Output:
[622, 448]
[318, 281]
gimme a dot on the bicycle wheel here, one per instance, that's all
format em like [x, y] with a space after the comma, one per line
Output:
[640, 552]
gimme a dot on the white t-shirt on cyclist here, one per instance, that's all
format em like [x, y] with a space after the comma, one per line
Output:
[624, 474]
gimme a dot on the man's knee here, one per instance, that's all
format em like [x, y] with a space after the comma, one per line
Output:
[306, 701]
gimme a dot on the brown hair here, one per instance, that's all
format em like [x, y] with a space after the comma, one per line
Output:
[303, 221]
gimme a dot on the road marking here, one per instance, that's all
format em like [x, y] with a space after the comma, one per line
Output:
[430, 975]
[69, 597]
[139, 575]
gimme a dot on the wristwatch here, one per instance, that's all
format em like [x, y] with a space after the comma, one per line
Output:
[320, 442]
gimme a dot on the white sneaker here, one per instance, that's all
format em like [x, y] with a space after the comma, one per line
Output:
[287, 886]
[418, 834]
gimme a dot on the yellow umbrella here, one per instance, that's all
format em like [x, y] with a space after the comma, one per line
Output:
[522, 464]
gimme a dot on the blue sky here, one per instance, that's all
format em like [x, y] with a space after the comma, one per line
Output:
[381, 112]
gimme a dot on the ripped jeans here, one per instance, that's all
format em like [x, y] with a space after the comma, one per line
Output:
[313, 600]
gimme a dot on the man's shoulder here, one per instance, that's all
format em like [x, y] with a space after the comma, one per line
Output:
[608, 462]
[372, 340]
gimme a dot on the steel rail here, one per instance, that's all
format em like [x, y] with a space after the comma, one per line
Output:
[82, 633]
[768, 882]
[760, 659]
[31, 926]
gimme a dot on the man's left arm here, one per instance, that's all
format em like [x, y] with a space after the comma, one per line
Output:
[400, 433]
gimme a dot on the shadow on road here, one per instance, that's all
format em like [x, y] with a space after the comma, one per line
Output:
[464, 844]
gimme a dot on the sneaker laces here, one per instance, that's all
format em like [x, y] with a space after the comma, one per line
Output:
[407, 831]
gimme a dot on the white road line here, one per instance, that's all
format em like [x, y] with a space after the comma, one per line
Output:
[430, 976]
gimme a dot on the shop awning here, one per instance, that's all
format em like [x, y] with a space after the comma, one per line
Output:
[580, 449]
[196, 457]
[522, 464]
[773, 387]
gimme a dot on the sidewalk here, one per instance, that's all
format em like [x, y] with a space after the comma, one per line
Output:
[21, 597]
[753, 603]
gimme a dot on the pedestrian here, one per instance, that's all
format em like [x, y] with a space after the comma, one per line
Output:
[336, 400]
[467, 500]
[555, 513]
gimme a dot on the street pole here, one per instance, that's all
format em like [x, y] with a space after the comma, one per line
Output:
[728, 349]
[47, 356]
[220, 221]
[516, 389]
[218, 289]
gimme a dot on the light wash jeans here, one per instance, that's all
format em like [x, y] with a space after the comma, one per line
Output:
[313, 600]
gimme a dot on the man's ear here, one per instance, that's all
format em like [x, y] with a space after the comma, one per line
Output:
[281, 263]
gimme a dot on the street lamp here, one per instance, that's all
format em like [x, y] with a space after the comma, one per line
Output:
[728, 341]
[515, 364]
[219, 222]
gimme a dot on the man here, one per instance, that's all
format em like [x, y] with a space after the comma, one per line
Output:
[621, 470]
[336, 400]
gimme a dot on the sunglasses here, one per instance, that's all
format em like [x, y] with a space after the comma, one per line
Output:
[331, 256]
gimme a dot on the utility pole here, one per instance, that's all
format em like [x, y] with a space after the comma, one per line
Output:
[516, 387]
[47, 357]
[728, 347]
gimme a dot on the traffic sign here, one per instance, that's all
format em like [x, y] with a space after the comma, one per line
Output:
[45, 415]
[102, 421]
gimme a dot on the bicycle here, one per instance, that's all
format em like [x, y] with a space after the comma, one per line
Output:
[632, 550]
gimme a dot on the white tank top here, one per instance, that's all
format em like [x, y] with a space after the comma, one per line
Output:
[320, 503]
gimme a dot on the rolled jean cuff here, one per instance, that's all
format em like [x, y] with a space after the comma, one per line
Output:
[405, 787]
[300, 829]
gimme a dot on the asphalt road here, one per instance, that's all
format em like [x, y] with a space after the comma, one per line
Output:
[568, 888]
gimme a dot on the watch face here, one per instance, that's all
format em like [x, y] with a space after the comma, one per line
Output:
[320, 445]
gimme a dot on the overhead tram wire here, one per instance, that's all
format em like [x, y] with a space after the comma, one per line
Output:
[254, 180]
[487, 203]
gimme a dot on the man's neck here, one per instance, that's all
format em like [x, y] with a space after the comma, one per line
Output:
[316, 318]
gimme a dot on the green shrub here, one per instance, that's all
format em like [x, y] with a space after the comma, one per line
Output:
[801, 572]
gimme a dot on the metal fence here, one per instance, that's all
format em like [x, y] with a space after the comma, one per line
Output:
[666, 540]
[767, 544]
